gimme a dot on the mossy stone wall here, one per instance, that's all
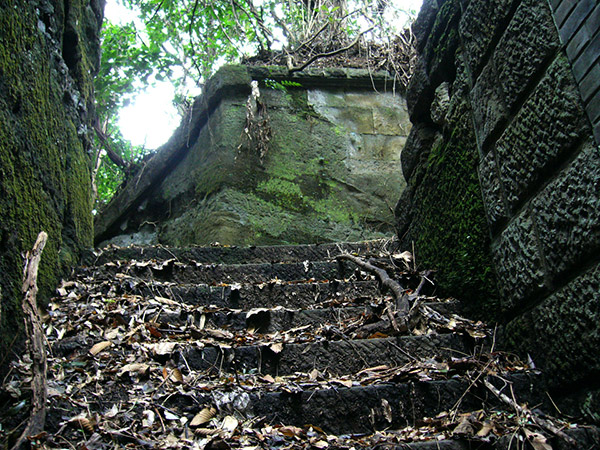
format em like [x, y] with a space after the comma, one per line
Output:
[328, 169]
[503, 175]
[49, 53]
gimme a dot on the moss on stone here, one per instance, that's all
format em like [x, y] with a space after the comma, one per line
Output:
[449, 228]
[44, 165]
[283, 193]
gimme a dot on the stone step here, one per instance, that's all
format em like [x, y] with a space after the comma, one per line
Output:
[362, 409]
[265, 320]
[212, 274]
[289, 295]
[262, 320]
[337, 357]
[235, 255]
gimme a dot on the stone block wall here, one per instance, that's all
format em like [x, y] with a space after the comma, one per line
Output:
[49, 53]
[514, 66]
[328, 171]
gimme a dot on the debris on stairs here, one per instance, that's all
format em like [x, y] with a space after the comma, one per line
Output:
[275, 347]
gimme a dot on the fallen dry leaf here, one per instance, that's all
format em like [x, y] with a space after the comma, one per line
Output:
[162, 348]
[291, 431]
[203, 416]
[139, 368]
[176, 376]
[267, 378]
[486, 429]
[387, 410]
[83, 422]
[97, 348]
[229, 424]
[537, 440]
[277, 347]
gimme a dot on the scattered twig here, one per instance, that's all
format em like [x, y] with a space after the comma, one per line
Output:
[328, 54]
[114, 156]
[423, 280]
[395, 288]
[542, 423]
[37, 349]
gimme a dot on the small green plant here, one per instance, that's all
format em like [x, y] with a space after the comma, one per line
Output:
[282, 85]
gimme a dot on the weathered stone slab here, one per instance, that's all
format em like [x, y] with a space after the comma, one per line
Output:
[417, 146]
[233, 254]
[590, 83]
[424, 22]
[489, 108]
[493, 195]
[579, 41]
[339, 357]
[568, 348]
[567, 214]
[229, 80]
[593, 108]
[419, 94]
[562, 11]
[518, 262]
[479, 26]
[547, 127]
[575, 19]
[587, 58]
[442, 43]
[529, 42]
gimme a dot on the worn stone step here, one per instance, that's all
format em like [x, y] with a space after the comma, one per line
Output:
[361, 409]
[337, 357]
[265, 320]
[289, 295]
[235, 255]
[225, 274]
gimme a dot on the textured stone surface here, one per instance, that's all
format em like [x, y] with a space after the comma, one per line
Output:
[529, 41]
[424, 22]
[479, 26]
[562, 333]
[441, 102]
[489, 108]
[419, 94]
[567, 213]
[442, 43]
[549, 124]
[518, 262]
[493, 195]
[541, 200]
[418, 145]
[403, 212]
[447, 220]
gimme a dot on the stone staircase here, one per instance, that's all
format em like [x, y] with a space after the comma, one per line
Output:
[272, 347]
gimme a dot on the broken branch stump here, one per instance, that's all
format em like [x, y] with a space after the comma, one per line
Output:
[37, 349]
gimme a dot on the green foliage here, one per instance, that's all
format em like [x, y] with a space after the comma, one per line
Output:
[282, 85]
[109, 177]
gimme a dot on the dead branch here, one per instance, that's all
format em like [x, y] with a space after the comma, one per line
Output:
[328, 54]
[395, 288]
[37, 349]
[542, 423]
[114, 156]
